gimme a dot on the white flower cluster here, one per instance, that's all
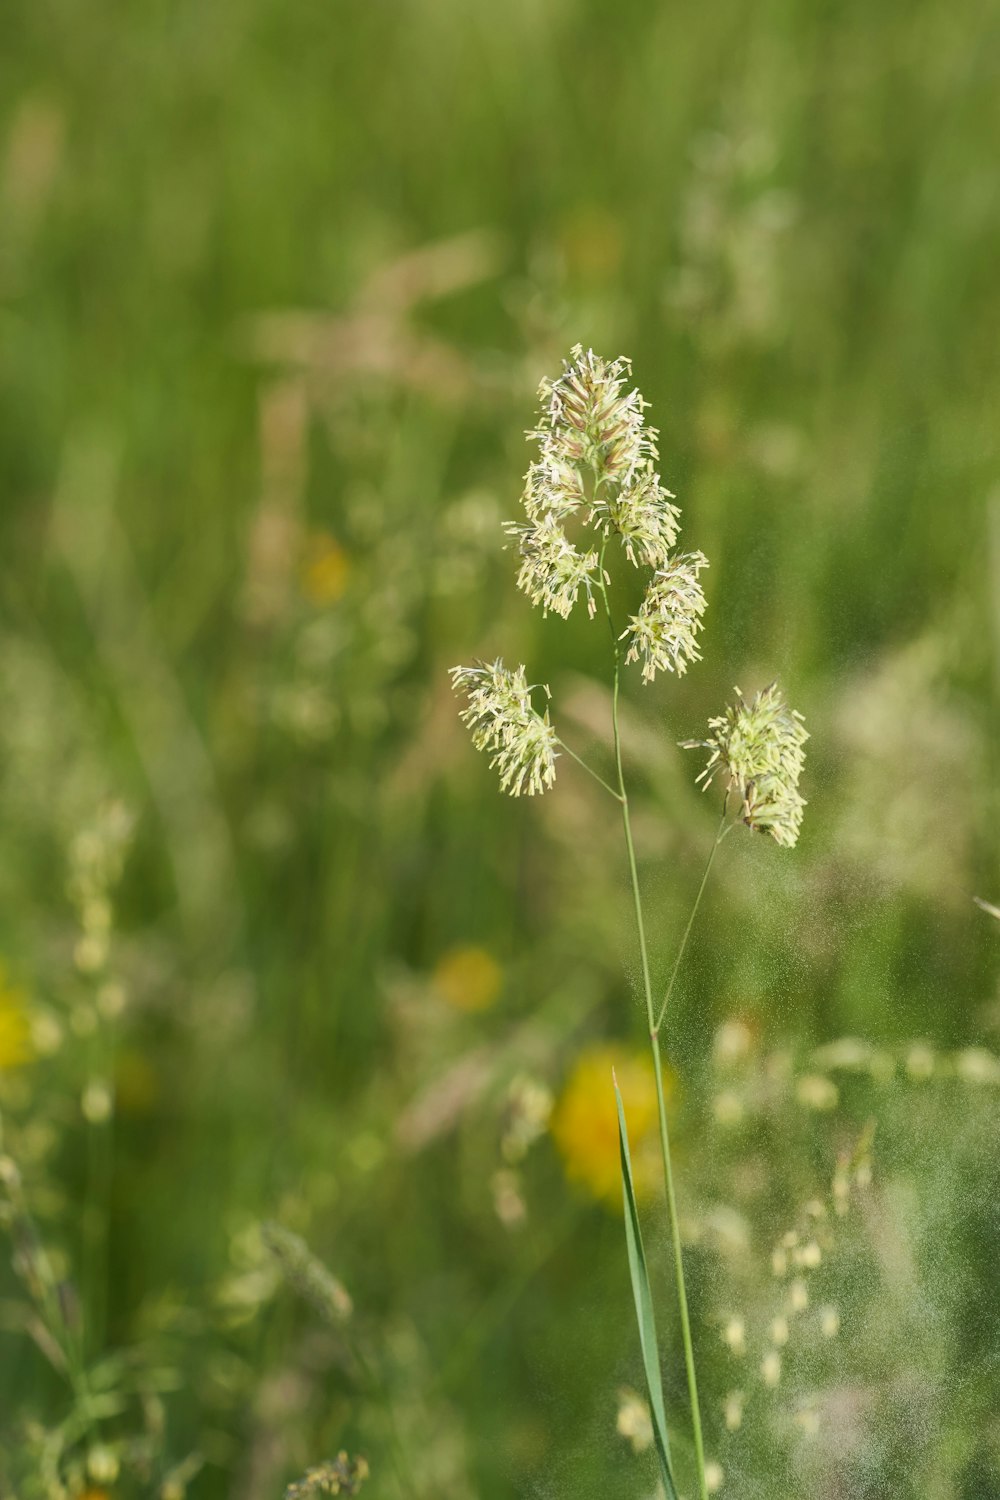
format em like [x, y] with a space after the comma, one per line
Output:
[504, 721]
[758, 747]
[596, 465]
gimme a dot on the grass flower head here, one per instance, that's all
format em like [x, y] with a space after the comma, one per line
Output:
[589, 417]
[504, 721]
[758, 747]
[596, 466]
[642, 515]
[552, 570]
[664, 631]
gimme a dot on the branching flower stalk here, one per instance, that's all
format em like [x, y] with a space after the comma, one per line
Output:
[596, 469]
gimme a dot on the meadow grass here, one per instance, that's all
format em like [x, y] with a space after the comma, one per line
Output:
[277, 284]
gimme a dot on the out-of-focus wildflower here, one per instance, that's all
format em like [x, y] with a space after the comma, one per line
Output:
[734, 1336]
[468, 978]
[503, 721]
[829, 1322]
[633, 1421]
[46, 1034]
[848, 1052]
[585, 1122]
[770, 1368]
[341, 1476]
[97, 1102]
[733, 1042]
[817, 1092]
[102, 1464]
[508, 1200]
[757, 746]
[798, 1296]
[664, 631]
[807, 1417]
[325, 570]
[16, 1041]
[920, 1061]
[728, 1107]
[714, 1477]
[529, 1108]
[733, 1410]
[976, 1065]
[808, 1255]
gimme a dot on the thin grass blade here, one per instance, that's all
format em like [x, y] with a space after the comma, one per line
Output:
[644, 1308]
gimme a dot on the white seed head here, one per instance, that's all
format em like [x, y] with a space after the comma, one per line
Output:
[757, 747]
[504, 722]
[829, 1322]
[664, 631]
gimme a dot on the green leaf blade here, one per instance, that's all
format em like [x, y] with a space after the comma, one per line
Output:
[644, 1307]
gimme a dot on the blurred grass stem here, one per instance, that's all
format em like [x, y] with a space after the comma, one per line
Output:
[654, 1041]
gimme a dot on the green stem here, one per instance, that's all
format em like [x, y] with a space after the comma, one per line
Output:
[654, 1041]
[589, 769]
[720, 835]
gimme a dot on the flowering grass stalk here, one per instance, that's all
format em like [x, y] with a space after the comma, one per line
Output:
[596, 468]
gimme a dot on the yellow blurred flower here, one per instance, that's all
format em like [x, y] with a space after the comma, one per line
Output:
[16, 1047]
[468, 978]
[585, 1122]
[325, 570]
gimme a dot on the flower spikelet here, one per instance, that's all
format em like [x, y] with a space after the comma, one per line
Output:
[552, 570]
[758, 747]
[664, 631]
[642, 515]
[589, 417]
[595, 466]
[552, 487]
[504, 721]
[339, 1476]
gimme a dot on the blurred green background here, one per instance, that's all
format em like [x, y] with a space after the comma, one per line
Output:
[277, 284]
